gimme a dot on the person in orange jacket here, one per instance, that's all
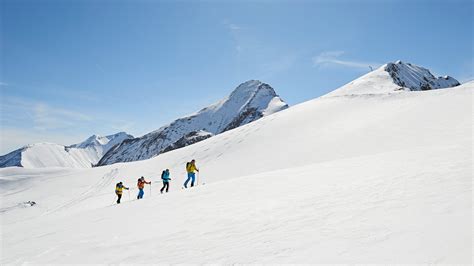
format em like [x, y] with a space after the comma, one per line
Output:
[141, 184]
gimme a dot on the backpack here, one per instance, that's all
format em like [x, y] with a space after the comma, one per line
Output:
[118, 187]
[187, 165]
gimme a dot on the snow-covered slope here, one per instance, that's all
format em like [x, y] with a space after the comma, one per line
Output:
[379, 178]
[392, 77]
[46, 155]
[84, 154]
[248, 102]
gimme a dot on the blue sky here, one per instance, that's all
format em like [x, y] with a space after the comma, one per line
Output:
[70, 69]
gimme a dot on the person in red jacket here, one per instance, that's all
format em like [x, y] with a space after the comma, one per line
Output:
[141, 184]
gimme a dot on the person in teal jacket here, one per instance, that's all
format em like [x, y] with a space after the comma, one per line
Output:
[165, 176]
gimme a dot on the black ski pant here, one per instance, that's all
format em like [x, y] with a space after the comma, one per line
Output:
[165, 185]
[119, 197]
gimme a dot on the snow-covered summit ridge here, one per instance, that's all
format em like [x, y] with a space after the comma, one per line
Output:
[250, 88]
[393, 77]
[250, 93]
[417, 78]
[103, 141]
[248, 102]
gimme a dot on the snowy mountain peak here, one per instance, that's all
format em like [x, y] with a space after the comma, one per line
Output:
[92, 140]
[395, 76]
[248, 84]
[81, 155]
[248, 102]
[250, 88]
[96, 140]
[417, 78]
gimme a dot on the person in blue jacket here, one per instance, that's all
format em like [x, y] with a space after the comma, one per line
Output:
[165, 176]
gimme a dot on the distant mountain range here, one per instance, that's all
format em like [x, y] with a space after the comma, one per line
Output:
[84, 154]
[250, 101]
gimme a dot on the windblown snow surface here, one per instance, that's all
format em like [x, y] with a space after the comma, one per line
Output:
[379, 178]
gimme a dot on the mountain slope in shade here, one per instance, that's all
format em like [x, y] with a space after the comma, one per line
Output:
[392, 77]
[248, 102]
[81, 155]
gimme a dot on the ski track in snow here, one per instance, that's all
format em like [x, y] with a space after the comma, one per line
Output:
[346, 216]
[94, 189]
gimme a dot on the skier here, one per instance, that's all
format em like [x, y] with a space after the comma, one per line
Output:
[141, 184]
[165, 176]
[119, 190]
[191, 168]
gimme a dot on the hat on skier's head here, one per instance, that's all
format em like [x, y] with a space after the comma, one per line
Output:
[193, 160]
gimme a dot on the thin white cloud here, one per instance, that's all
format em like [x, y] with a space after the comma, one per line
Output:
[39, 115]
[14, 138]
[234, 27]
[328, 55]
[47, 117]
[25, 121]
[231, 26]
[236, 33]
[53, 91]
[333, 58]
